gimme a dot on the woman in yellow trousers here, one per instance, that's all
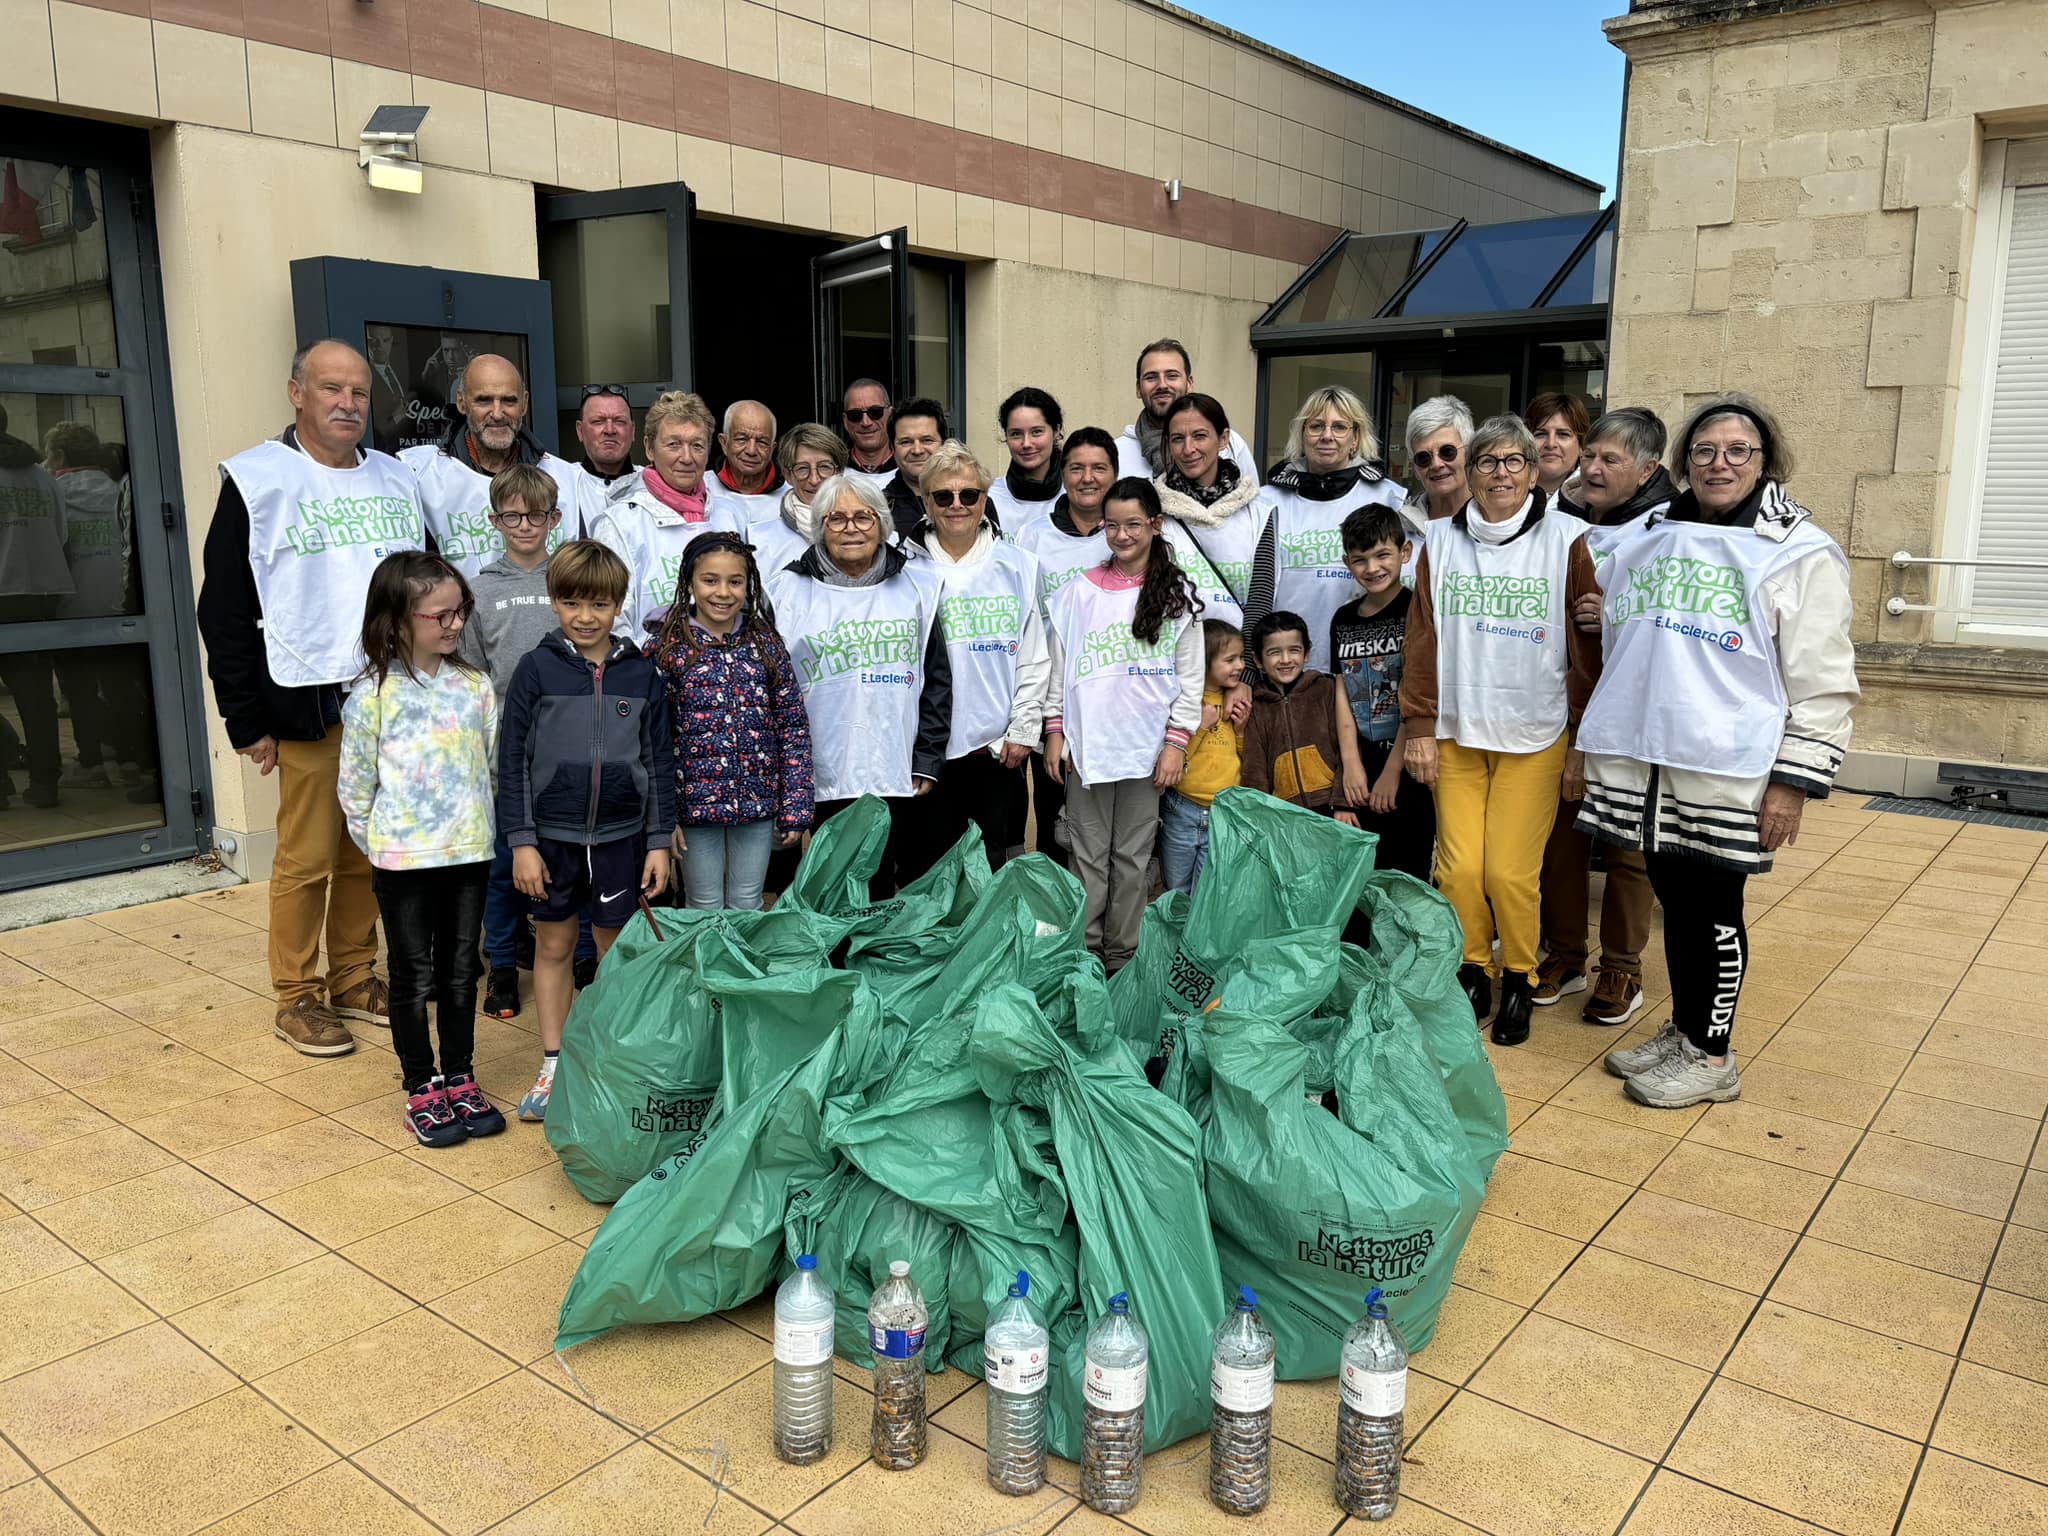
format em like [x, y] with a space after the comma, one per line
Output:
[1494, 677]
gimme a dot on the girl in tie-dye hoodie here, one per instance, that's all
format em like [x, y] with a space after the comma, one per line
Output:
[419, 741]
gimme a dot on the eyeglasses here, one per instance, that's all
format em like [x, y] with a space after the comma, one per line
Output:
[1447, 454]
[859, 522]
[522, 519]
[1700, 455]
[447, 618]
[867, 413]
[1513, 463]
[969, 497]
[592, 390]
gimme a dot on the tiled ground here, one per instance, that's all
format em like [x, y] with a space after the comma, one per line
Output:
[233, 1298]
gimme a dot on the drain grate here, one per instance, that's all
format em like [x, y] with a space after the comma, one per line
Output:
[1942, 810]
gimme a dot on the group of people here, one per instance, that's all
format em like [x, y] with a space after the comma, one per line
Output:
[512, 695]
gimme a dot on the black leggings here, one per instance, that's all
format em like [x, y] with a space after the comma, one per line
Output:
[1706, 944]
[432, 918]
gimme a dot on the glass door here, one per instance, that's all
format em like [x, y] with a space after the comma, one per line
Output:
[861, 300]
[99, 698]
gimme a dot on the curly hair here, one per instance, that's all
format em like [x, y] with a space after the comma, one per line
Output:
[756, 616]
[1167, 592]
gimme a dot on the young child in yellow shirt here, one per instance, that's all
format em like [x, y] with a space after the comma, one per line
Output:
[1213, 757]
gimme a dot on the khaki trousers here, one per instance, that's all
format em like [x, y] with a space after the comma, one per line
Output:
[1493, 815]
[1111, 829]
[1624, 910]
[319, 880]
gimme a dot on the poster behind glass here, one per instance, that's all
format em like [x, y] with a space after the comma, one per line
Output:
[414, 373]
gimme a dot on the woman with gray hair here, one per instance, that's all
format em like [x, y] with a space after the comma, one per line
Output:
[1437, 432]
[808, 456]
[1494, 676]
[1723, 709]
[861, 620]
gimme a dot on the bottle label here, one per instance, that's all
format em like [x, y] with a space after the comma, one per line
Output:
[803, 1343]
[1016, 1370]
[895, 1343]
[1239, 1389]
[1376, 1394]
[1113, 1388]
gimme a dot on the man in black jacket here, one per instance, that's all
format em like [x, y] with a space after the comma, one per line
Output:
[301, 523]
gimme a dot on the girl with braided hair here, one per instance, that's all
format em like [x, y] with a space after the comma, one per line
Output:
[742, 742]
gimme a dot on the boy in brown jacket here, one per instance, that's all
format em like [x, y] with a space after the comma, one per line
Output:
[1300, 739]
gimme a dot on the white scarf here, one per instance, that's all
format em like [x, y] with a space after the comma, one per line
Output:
[1484, 532]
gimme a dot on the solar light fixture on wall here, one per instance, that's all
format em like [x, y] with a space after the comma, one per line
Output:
[389, 152]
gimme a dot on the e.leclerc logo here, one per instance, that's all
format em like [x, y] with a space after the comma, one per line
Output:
[1729, 640]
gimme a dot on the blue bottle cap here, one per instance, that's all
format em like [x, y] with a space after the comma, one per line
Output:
[807, 1261]
[1120, 1302]
[1374, 1307]
[1023, 1285]
[1247, 1299]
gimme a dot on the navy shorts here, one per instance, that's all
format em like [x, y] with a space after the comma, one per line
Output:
[603, 880]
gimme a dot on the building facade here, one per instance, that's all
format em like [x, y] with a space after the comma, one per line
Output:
[1842, 207]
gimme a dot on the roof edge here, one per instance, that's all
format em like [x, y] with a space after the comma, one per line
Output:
[1657, 18]
[1181, 13]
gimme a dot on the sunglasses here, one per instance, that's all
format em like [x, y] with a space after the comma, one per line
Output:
[592, 390]
[1448, 454]
[867, 413]
[969, 497]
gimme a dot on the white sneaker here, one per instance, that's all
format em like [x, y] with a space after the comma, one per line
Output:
[1686, 1077]
[1641, 1058]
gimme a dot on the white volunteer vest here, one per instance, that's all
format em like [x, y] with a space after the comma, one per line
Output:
[750, 509]
[1500, 633]
[455, 500]
[1012, 513]
[315, 536]
[1119, 691]
[651, 537]
[776, 544]
[879, 479]
[1061, 557]
[859, 657]
[1219, 560]
[981, 609]
[1691, 677]
[1309, 575]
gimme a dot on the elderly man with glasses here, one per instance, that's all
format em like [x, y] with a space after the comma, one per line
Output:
[604, 426]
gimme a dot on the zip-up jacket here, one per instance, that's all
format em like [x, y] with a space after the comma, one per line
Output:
[584, 754]
[1290, 742]
[742, 742]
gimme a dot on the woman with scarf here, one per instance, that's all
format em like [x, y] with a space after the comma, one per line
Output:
[808, 456]
[1031, 421]
[1213, 519]
[650, 528]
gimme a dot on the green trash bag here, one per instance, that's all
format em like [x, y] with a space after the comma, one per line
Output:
[1274, 871]
[1132, 1164]
[856, 1229]
[704, 1233]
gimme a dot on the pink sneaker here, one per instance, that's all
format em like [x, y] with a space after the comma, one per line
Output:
[430, 1117]
[477, 1115]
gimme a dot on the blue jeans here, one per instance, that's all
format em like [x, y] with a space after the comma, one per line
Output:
[505, 909]
[725, 866]
[1183, 841]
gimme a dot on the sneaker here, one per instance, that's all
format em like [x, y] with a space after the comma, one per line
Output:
[1645, 1056]
[1511, 1024]
[501, 997]
[1684, 1078]
[310, 1029]
[369, 1001]
[535, 1105]
[477, 1115]
[1617, 997]
[1478, 990]
[1555, 979]
[430, 1117]
[586, 971]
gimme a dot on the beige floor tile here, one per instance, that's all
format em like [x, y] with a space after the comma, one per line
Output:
[209, 1259]
[261, 1058]
[740, 1421]
[47, 938]
[229, 1017]
[1776, 1135]
[1999, 1010]
[49, 1318]
[514, 1310]
[1557, 1199]
[646, 1376]
[13, 1469]
[1598, 1093]
[1974, 1043]
[190, 1470]
[1468, 1328]
[1935, 882]
[1999, 1088]
[639, 1492]
[297, 1155]
[1883, 1382]
[111, 968]
[1511, 1261]
[52, 1031]
[1679, 1316]
[1868, 1291]
[379, 1120]
[485, 1163]
[2021, 1266]
[158, 921]
[1895, 1227]
[1518, 1109]
[1822, 1095]
[342, 1081]
[1529, 1074]
[1763, 1003]
[1742, 1186]
[1884, 991]
[337, 1500]
[1410, 1519]
[2029, 959]
[1505, 1471]
[366, 1199]
[33, 1509]
[2009, 987]
[1560, 1031]
[1913, 916]
[138, 1210]
[1952, 1495]
[2010, 1334]
[1304, 1415]
[193, 992]
[870, 1502]
[1995, 1418]
[78, 1166]
[523, 1438]
[1593, 1146]
[28, 1252]
[1679, 1506]
[19, 1081]
[1694, 1240]
[74, 1406]
[350, 1396]
[1815, 1047]
[1592, 1385]
[2030, 1208]
[443, 1250]
[1935, 1174]
[1958, 1127]
[265, 1326]
[210, 1124]
[1797, 1459]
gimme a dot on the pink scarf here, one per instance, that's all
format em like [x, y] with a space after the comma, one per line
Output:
[689, 507]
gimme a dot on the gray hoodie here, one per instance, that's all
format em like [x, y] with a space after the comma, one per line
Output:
[512, 617]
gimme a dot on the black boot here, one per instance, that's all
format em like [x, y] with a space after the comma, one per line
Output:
[1473, 979]
[1511, 1024]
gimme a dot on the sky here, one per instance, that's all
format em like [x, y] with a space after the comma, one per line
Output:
[1534, 74]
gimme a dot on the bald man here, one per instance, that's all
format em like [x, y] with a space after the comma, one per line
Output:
[302, 522]
[489, 434]
[748, 477]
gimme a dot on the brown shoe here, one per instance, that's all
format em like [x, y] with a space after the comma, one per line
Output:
[1554, 980]
[1617, 997]
[308, 1028]
[369, 1001]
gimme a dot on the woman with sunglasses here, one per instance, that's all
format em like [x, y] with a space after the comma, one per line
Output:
[995, 644]
[1494, 676]
[861, 621]
[1030, 421]
[1437, 432]
[1723, 709]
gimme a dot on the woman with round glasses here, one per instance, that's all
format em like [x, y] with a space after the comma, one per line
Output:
[1723, 709]
[1494, 677]
[995, 648]
[860, 619]
[1437, 432]
[808, 456]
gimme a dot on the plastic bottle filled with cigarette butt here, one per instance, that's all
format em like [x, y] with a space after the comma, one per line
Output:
[1241, 1410]
[1017, 1358]
[896, 1324]
[804, 1317]
[1113, 1410]
[1372, 1393]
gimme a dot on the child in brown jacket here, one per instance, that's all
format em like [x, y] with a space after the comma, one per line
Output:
[1300, 739]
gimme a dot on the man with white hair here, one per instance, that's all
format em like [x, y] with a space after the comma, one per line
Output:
[748, 477]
